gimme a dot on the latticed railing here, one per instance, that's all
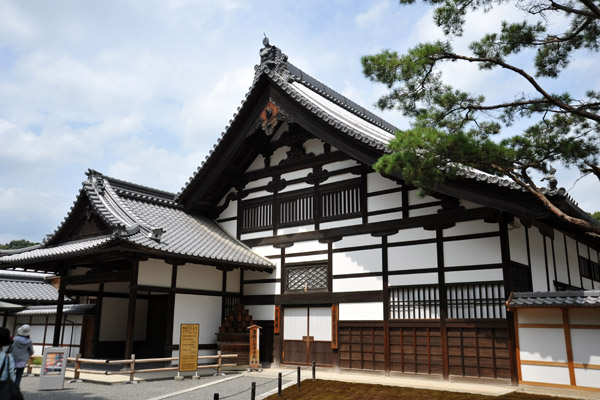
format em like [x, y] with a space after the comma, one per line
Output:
[340, 202]
[414, 302]
[477, 300]
[309, 277]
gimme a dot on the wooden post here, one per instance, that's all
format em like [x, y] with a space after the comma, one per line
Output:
[279, 379]
[439, 235]
[298, 377]
[132, 372]
[223, 293]
[509, 285]
[97, 320]
[77, 366]
[59, 312]
[567, 330]
[170, 313]
[131, 310]
[219, 361]
[253, 391]
[386, 307]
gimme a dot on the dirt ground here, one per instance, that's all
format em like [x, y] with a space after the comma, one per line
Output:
[334, 390]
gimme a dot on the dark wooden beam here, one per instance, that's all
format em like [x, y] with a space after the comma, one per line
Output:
[59, 314]
[131, 310]
[104, 277]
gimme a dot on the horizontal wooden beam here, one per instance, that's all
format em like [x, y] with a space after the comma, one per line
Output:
[103, 277]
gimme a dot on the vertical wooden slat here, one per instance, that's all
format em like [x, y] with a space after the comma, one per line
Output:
[494, 352]
[567, 330]
[477, 352]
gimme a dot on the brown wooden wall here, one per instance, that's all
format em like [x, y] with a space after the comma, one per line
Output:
[474, 349]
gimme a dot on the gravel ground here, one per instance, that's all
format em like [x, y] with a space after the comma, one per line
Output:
[234, 387]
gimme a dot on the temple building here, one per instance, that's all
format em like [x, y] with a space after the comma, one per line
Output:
[337, 263]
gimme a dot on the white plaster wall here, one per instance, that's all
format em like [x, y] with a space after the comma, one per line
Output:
[584, 316]
[540, 316]
[484, 275]
[472, 252]
[542, 344]
[356, 262]
[196, 276]
[230, 227]
[356, 240]
[385, 217]
[113, 325]
[230, 211]
[571, 250]
[560, 257]
[587, 377]
[294, 259]
[303, 247]
[253, 275]
[257, 164]
[251, 289]
[293, 229]
[233, 281]
[538, 267]
[405, 235]
[357, 284]
[301, 173]
[340, 223]
[314, 146]
[203, 310]
[319, 323]
[154, 272]
[340, 178]
[257, 235]
[430, 278]
[412, 257]
[376, 183]
[361, 311]
[414, 198]
[295, 186]
[470, 227]
[384, 201]
[586, 346]
[340, 165]
[279, 155]
[262, 312]
[518, 244]
[423, 211]
[266, 251]
[545, 374]
[256, 195]
[295, 323]
[257, 183]
[550, 259]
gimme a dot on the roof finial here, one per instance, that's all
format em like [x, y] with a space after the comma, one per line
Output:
[552, 181]
[265, 40]
[272, 57]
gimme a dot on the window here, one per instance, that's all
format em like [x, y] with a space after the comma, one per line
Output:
[306, 277]
[589, 269]
[335, 201]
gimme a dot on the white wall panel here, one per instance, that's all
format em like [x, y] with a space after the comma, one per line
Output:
[256, 195]
[384, 201]
[340, 223]
[303, 259]
[340, 178]
[419, 212]
[230, 211]
[340, 165]
[258, 183]
[545, 374]
[314, 146]
[542, 344]
[412, 257]
[355, 262]
[540, 316]
[405, 235]
[266, 251]
[251, 289]
[319, 323]
[279, 155]
[414, 198]
[587, 377]
[301, 173]
[233, 281]
[538, 266]
[256, 235]
[262, 312]
[361, 311]
[303, 247]
[518, 244]
[294, 229]
[257, 164]
[154, 272]
[483, 275]
[295, 323]
[250, 275]
[230, 227]
[356, 240]
[560, 257]
[385, 217]
[203, 310]
[296, 186]
[196, 276]
[376, 183]
[471, 227]
[472, 252]
[584, 316]
[357, 284]
[586, 346]
[550, 260]
[413, 279]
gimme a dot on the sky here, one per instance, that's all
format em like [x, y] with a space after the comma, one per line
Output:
[141, 89]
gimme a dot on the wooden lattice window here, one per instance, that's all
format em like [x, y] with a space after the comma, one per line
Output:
[476, 300]
[296, 210]
[340, 201]
[306, 277]
[589, 269]
[256, 216]
[415, 302]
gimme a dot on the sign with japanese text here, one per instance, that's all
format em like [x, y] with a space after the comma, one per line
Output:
[254, 346]
[277, 319]
[334, 326]
[188, 347]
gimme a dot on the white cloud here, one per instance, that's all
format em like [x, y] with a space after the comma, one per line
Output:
[372, 17]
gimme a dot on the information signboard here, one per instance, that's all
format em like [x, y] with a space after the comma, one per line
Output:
[188, 347]
[52, 371]
[254, 346]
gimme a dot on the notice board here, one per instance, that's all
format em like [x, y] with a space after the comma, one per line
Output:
[188, 347]
[52, 371]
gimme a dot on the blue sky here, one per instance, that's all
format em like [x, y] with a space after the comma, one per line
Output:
[140, 90]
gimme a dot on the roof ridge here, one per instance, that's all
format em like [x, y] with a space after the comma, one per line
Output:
[130, 185]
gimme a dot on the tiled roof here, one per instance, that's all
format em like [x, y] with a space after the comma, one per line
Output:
[68, 309]
[18, 290]
[571, 298]
[150, 219]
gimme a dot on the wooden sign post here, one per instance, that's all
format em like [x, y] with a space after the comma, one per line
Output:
[254, 359]
[188, 348]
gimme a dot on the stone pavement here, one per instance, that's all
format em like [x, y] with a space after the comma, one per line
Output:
[236, 386]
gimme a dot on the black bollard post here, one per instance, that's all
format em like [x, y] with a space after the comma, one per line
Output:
[279, 379]
[216, 396]
[314, 370]
[298, 384]
[253, 391]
